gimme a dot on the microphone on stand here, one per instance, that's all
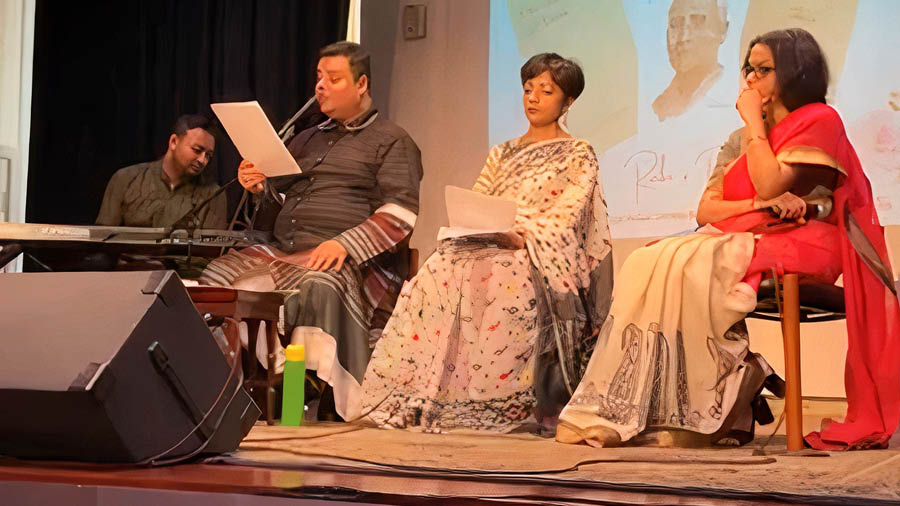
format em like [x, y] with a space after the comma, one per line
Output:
[191, 221]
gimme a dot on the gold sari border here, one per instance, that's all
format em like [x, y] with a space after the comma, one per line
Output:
[809, 155]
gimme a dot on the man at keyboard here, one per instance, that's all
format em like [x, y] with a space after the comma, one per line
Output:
[158, 193]
[339, 235]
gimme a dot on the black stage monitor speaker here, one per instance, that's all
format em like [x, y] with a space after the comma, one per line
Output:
[113, 367]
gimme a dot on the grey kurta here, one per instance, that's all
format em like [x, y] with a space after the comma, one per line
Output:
[139, 196]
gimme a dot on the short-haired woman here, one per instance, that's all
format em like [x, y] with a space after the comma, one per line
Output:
[496, 327]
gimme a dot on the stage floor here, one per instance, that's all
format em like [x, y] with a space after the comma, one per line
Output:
[354, 463]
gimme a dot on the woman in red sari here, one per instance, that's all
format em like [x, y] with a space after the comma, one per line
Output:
[682, 363]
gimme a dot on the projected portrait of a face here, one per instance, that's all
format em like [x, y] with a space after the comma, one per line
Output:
[696, 30]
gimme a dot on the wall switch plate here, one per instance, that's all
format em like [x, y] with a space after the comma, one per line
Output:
[414, 21]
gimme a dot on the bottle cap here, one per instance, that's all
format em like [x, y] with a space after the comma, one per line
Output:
[295, 353]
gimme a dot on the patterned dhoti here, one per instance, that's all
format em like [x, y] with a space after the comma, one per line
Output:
[325, 310]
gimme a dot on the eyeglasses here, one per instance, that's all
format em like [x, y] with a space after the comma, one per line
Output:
[760, 71]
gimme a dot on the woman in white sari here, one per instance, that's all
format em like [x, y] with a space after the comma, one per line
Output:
[495, 327]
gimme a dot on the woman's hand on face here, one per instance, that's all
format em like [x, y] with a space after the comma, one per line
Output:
[750, 105]
[250, 177]
[787, 205]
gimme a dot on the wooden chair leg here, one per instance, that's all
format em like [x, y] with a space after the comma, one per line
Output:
[793, 405]
[252, 333]
[271, 339]
[233, 336]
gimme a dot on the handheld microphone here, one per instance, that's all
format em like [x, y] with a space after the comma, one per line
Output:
[818, 210]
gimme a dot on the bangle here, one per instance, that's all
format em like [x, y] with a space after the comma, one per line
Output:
[758, 138]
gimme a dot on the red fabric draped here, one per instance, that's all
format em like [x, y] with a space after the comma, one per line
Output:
[821, 249]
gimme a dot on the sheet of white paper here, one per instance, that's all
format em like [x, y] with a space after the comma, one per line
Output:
[471, 213]
[255, 139]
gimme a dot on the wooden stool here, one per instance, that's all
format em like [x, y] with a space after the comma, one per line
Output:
[791, 304]
[252, 308]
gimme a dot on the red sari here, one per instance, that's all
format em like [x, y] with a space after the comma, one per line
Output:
[850, 241]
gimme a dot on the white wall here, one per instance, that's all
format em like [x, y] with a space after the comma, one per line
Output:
[436, 88]
[16, 49]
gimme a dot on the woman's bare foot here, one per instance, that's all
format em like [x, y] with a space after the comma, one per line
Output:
[597, 436]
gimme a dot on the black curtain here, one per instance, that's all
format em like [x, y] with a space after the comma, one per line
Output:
[110, 77]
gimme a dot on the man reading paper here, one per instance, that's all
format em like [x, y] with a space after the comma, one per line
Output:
[337, 234]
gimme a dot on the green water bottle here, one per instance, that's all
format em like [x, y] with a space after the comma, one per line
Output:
[294, 378]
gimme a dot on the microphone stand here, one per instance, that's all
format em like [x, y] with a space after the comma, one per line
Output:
[189, 222]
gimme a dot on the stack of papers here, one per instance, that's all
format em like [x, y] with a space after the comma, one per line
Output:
[472, 213]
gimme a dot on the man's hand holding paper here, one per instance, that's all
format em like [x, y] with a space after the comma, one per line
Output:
[250, 177]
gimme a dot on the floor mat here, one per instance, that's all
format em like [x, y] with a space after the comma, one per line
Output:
[526, 457]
